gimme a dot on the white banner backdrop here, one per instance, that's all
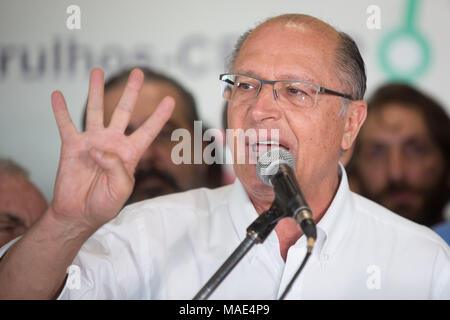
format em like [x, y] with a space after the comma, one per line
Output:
[41, 50]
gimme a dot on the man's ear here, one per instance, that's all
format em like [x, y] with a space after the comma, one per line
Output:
[354, 118]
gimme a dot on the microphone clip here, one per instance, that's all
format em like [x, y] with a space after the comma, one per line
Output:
[260, 229]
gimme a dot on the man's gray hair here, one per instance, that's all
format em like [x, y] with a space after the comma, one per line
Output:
[351, 68]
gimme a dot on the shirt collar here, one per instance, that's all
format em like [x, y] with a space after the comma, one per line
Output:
[331, 228]
[338, 217]
[242, 211]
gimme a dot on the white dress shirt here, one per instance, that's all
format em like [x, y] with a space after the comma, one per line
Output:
[169, 247]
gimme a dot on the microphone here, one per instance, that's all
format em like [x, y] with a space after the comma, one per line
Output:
[276, 168]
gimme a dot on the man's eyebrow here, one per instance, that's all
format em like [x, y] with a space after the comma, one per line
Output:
[417, 138]
[12, 218]
[292, 76]
[284, 76]
[374, 140]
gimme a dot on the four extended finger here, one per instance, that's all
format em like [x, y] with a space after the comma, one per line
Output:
[94, 110]
[147, 132]
[62, 117]
[122, 113]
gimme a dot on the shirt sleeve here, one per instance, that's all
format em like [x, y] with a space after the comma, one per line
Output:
[111, 264]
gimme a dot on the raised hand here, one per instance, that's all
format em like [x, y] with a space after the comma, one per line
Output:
[96, 169]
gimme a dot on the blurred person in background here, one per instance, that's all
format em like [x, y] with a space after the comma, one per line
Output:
[156, 174]
[21, 203]
[402, 155]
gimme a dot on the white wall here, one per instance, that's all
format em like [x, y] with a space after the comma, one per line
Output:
[187, 39]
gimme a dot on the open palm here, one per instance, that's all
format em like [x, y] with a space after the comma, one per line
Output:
[96, 169]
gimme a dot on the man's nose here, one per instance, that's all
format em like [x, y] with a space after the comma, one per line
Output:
[265, 106]
[395, 165]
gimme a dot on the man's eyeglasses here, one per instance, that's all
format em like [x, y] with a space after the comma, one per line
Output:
[245, 89]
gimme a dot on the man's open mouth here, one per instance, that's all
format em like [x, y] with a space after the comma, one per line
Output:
[262, 146]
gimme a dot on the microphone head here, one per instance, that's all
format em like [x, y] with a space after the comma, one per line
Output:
[269, 163]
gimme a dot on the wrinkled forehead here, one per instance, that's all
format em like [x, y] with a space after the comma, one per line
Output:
[288, 45]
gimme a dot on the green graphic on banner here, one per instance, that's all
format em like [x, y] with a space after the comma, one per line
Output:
[413, 50]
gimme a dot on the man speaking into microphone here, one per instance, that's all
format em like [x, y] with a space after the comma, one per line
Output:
[293, 73]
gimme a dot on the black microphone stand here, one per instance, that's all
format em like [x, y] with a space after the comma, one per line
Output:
[257, 232]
